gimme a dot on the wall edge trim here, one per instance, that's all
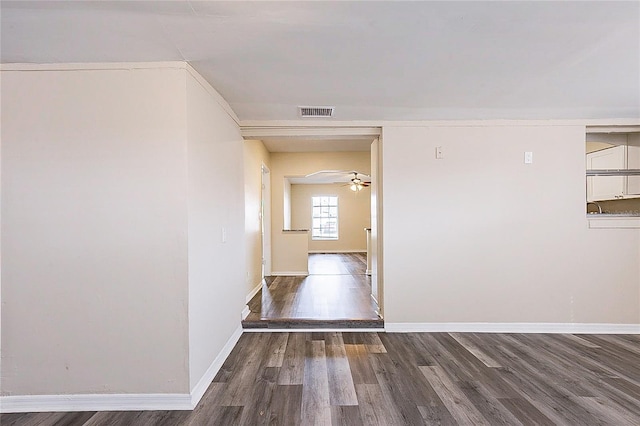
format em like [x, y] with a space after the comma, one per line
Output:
[508, 327]
[201, 387]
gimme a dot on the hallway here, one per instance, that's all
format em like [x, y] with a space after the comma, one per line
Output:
[335, 294]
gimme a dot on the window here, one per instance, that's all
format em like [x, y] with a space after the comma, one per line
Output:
[324, 218]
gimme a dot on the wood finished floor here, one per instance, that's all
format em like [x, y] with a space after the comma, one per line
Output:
[335, 294]
[406, 379]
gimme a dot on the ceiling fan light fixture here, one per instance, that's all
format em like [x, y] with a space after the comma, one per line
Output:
[357, 186]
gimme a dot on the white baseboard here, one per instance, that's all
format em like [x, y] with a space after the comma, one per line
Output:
[200, 388]
[94, 402]
[245, 312]
[120, 402]
[253, 292]
[483, 327]
[289, 273]
[335, 251]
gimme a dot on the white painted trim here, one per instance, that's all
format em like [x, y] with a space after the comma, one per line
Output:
[314, 330]
[483, 327]
[336, 251]
[94, 402]
[245, 312]
[247, 125]
[200, 388]
[120, 402]
[213, 92]
[300, 130]
[253, 292]
[93, 66]
[289, 273]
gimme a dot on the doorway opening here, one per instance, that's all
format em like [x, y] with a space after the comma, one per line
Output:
[320, 272]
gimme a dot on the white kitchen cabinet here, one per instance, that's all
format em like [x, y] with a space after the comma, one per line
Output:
[613, 187]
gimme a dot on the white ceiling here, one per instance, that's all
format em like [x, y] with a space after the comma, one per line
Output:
[371, 60]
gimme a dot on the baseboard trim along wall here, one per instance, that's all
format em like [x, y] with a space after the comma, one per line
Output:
[482, 327]
[201, 387]
[245, 312]
[94, 402]
[253, 292]
[289, 273]
[120, 402]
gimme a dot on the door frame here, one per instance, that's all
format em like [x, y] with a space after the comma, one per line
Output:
[265, 220]
[324, 131]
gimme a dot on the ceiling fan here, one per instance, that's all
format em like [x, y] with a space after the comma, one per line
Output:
[355, 183]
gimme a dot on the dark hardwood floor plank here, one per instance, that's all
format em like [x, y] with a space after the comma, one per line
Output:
[286, 405]
[487, 404]
[462, 410]
[463, 366]
[277, 349]
[602, 409]
[341, 388]
[361, 370]
[468, 344]
[315, 390]
[525, 412]
[398, 390]
[46, 419]
[375, 407]
[292, 370]
[225, 416]
[373, 343]
[345, 415]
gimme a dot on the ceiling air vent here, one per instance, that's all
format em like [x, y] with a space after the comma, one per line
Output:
[316, 112]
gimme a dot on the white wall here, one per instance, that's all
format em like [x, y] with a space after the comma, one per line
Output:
[94, 214]
[117, 182]
[216, 205]
[481, 237]
[255, 155]
[353, 216]
[301, 164]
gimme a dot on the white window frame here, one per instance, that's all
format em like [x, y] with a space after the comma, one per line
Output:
[316, 202]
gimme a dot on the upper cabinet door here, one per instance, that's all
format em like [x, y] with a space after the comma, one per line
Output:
[607, 187]
[633, 162]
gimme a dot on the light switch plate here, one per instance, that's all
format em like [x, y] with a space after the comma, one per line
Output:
[439, 152]
[528, 157]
